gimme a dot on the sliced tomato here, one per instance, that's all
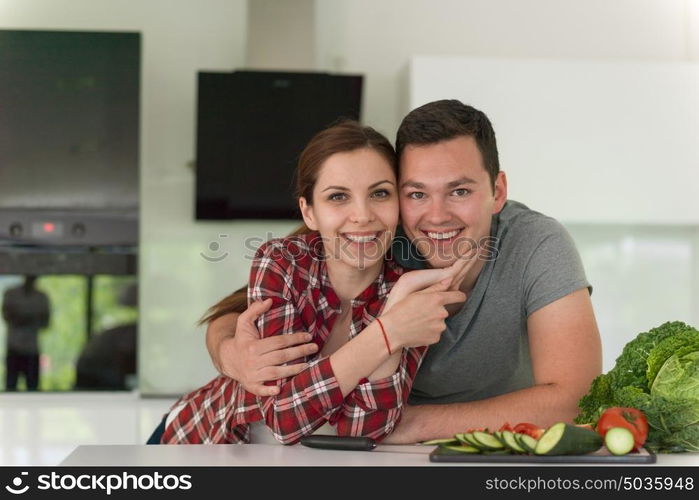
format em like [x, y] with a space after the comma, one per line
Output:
[506, 427]
[632, 419]
[529, 429]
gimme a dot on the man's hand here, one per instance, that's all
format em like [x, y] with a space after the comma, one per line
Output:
[241, 355]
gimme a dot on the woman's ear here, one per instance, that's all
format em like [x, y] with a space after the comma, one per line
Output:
[307, 213]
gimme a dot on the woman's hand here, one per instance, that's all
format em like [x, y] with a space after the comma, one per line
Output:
[418, 319]
[414, 281]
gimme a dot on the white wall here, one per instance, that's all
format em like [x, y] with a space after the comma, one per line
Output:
[588, 141]
[275, 45]
[378, 37]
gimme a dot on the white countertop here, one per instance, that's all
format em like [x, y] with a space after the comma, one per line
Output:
[278, 455]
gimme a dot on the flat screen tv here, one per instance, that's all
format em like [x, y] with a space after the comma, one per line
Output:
[251, 128]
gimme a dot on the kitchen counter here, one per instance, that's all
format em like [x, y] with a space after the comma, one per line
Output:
[277, 455]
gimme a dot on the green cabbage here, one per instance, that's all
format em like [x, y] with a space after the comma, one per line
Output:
[678, 378]
[681, 343]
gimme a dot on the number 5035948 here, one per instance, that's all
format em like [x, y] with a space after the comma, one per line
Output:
[658, 483]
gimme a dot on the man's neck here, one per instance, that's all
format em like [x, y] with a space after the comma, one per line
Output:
[467, 286]
[472, 277]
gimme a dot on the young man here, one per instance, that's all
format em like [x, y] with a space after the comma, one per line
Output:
[524, 346]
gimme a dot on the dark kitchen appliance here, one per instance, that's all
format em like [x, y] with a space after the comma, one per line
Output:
[251, 128]
[69, 155]
[69, 151]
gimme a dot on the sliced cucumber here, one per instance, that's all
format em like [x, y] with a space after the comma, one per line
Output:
[527, 442]
[445, 441]
[488, 441]
[511, 443]
[469, 439]
[461, 449]
[566, 439]
[619, 441]
[499, 437]
[463, 439]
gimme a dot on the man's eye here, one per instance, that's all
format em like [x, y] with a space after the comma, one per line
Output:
[416, 195]
[337, 197]
[381, 194]
[461, 192]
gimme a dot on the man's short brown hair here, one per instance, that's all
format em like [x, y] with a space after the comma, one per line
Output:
[446, 119]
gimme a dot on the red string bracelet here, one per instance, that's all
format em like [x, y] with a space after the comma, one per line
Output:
[385, 337]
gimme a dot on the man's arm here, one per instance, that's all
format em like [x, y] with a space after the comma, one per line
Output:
[566, 356]
[217, 331]
[237, 351]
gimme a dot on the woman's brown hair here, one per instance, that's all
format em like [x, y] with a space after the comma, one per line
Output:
[342, 137]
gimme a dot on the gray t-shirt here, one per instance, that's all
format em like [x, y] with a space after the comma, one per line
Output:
[484, 351]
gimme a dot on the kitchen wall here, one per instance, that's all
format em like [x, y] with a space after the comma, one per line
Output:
[376, 38]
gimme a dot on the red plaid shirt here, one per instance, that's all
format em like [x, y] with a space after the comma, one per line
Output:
[292, 272]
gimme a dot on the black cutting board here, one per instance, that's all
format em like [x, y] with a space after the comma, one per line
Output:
[601, 456]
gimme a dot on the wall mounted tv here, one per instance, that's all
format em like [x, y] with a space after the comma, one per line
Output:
[251, 128]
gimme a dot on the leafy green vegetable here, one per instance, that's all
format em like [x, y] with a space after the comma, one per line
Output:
[631, 366]
[679, 378]
[658, 373]
[683, 342]
[685, 440]
[594, 402]
[664, 414]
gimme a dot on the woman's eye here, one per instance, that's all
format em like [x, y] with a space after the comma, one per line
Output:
[461, 192]
[416, 195]
[337, 197]
[381, 194]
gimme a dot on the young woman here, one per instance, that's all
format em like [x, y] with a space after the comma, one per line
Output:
[333, 282]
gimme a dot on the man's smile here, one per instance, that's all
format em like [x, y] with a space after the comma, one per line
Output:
[442, 236]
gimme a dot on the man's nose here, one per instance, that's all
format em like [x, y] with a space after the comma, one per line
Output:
[437, 212]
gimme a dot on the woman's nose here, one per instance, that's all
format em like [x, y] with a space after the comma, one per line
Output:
[362, 214]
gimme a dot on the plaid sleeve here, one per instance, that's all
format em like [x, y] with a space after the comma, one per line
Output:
[374, 408]
[307, 400]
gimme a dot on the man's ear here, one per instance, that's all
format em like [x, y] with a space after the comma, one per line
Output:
[500, 192]
[307, 213]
